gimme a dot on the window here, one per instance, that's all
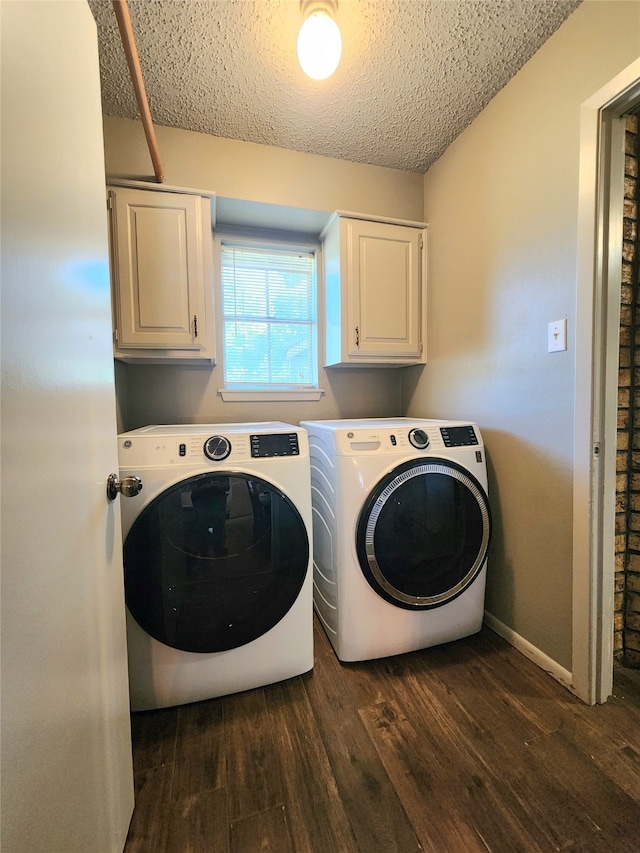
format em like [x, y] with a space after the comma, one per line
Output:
[269, 317]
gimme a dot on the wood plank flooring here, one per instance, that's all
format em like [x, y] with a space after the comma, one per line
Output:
[463, 748]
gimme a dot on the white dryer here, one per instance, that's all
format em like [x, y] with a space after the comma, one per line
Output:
[401, 527]
[217, 559]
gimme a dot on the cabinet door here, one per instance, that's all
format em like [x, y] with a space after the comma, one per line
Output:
[384, 274]
[159, 270]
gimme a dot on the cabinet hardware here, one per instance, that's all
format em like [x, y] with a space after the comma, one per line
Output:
[357, 336]
[195, 326]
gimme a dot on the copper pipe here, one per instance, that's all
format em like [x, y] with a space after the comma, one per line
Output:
[121, 9]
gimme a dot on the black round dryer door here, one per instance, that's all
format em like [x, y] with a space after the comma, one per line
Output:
[214, 562]
[423, 534]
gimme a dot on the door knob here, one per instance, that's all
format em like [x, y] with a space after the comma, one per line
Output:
[128, 487]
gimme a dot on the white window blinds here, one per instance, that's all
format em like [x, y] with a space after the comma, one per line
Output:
[269, 318]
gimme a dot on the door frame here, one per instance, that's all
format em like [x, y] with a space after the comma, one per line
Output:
[599, 263]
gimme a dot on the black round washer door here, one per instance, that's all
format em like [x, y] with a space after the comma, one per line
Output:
[215, 562]
[423, 534]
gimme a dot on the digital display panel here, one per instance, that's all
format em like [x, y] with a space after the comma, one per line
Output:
[274, 444]
[458, 436]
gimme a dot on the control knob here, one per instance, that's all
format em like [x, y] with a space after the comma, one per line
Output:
[217, 448]
[419, 438]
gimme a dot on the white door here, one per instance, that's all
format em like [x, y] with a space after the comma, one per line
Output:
[67, 784]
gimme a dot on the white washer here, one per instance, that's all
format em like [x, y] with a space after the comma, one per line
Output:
[401, 526]
[217, 559]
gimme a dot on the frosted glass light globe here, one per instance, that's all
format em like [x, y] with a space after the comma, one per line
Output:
[319, 46]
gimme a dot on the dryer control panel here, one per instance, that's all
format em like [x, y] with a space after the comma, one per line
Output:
[421, 435]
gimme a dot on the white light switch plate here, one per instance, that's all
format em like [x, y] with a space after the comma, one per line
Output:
[557, 335]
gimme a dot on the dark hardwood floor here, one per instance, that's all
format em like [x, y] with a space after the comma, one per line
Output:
[456, 749]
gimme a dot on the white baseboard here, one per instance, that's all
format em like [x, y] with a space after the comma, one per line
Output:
[530, 651]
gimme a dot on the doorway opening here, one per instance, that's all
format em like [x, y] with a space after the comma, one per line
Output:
[599, 511]
[626, 619]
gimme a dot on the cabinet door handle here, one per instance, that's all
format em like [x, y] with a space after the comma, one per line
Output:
[195, 325]
[357, 336]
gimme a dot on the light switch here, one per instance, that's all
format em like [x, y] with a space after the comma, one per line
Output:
[557, 335]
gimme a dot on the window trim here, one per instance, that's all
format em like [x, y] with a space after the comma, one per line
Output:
[275, 394]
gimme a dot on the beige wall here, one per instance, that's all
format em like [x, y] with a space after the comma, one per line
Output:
[159, 394]
[243, 170]
[502, 211]
[240, 170]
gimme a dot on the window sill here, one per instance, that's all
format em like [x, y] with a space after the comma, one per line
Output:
[271, 395]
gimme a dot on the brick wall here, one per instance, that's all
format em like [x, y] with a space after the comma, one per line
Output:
[627, 576]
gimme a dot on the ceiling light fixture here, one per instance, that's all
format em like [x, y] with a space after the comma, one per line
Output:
[319, 40]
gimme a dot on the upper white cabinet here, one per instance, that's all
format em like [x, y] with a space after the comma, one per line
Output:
[374, 292]
[162, 271]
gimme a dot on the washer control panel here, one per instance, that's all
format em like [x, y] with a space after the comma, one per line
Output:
[264, 445]
[458, 436]
[212, 444]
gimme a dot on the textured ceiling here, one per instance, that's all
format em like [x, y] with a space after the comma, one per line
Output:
[413, 74]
